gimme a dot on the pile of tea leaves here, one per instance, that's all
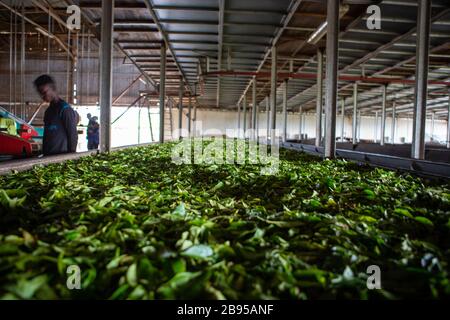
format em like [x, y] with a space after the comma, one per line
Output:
[139, 226]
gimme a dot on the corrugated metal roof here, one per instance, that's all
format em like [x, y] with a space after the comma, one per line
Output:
[240, 34]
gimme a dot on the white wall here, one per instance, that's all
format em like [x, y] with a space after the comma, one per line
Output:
[403, 129]
[223, 120]
[125, 130]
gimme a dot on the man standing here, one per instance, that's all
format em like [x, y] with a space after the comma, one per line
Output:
[60, 120]
[93, 133]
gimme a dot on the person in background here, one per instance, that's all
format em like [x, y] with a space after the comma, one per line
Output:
[60, 120]
[93, 133]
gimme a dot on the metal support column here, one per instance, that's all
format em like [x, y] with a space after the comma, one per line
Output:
[106, 60]
[383, 116]
[190, 116]
[180, 108]
[358, 127]
[150, 121]
[11, 41]
[268, 116]
[139, 121]
[375, 139]
[393, 124]
[319, 102]
[342, 120]
[285, 98]
[273, 94]
[195, 118]
[433, 117]
[244, 102]
[22, 65]
[15, 64]
[422, 61]
[88, 62]
[300, 127]
[304, 118]
[162, 92]
[254, 109]
[448, 124]
[239, 118]
[332, 77]
[68, 66]
[355, 108]
[80, 81]
[220, 49]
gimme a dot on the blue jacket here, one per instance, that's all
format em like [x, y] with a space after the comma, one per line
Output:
[60, 129]
[93, 132]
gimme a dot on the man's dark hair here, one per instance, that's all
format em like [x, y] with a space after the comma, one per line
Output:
[43, 80]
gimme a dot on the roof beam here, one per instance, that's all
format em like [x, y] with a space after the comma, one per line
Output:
[294, 5]
[372, 55]
[121, 29]
[155, 18]
[391, 43]
[92, 27]
[134, 22]
[118, 5]
[220, 47]
[57, 39]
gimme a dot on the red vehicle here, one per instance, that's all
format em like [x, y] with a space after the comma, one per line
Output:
[17, 138]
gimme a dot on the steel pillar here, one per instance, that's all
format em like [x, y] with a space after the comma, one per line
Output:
[139, 121]
[106, 60]
[195, 118]
[150, 121]
[180, 107]
[244, 107]
[421, 88]
[22, 65]
[190, 116]
[300, 127]
[383, 116]
[342, 120]
[162, 92]
[268, 116]
[433, 117]
[393, 124]
[285, 99]
[331, 77]
[358, 127]
[254, 109]
[355, 111]
[319, 102]
[11, 61]
[376, 128]
[448, 124]
[239, 118]
[273, 93]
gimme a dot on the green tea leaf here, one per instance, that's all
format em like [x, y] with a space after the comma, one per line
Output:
[403, 212]
[26, 289]
[425, 221]
[198, 251]
[132, 278]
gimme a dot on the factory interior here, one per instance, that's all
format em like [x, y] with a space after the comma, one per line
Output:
[363, 86]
